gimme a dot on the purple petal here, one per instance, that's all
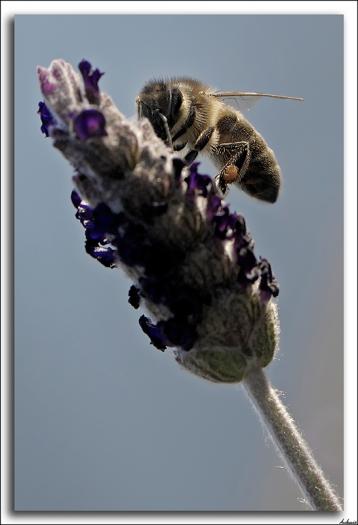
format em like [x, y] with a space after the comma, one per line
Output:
[90, 123]
[93, 233]
[154, 332]
[75, 198]
[268, 283]
[84, 212]
[239, 227]
[104, 255]
[197, 182]
[214, 203]
[134, 296]
[46, 117]
[249, 269]
[225, 223]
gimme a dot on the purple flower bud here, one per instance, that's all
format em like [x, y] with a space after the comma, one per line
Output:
[90, 78]
[89, 123]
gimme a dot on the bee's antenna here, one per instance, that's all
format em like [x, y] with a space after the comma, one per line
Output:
[223, 94]
[139, 104]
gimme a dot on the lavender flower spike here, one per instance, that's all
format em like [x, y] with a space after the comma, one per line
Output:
[191, 260]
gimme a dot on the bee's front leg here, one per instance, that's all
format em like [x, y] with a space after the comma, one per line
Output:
[166, 128]
[199, 144]
[235, 168]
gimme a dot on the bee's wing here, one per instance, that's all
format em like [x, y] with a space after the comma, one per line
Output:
[242, 103]
[245, 100]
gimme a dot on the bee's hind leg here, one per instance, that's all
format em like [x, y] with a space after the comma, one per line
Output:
[235, 168]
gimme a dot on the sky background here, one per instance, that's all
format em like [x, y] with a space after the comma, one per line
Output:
[103, 421]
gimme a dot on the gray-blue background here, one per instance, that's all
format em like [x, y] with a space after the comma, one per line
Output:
[103, 421]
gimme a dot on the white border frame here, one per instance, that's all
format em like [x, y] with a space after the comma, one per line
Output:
[349, 10]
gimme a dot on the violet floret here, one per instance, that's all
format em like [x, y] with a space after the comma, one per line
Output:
[47, 119]
[89, 123]
[90, 78]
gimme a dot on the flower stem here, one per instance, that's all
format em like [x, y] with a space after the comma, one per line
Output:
[289, 442]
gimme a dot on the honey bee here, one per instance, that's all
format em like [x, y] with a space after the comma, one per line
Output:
[185, 113]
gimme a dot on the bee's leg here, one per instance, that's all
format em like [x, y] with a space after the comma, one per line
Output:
[167, 130]
[235, 168]
[179, 147]
[200, 144]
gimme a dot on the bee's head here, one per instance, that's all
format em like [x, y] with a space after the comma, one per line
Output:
[159, 98]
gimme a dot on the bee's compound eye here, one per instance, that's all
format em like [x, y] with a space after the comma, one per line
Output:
[176, 101]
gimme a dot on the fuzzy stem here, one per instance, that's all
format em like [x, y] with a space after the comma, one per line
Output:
[289, 442]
